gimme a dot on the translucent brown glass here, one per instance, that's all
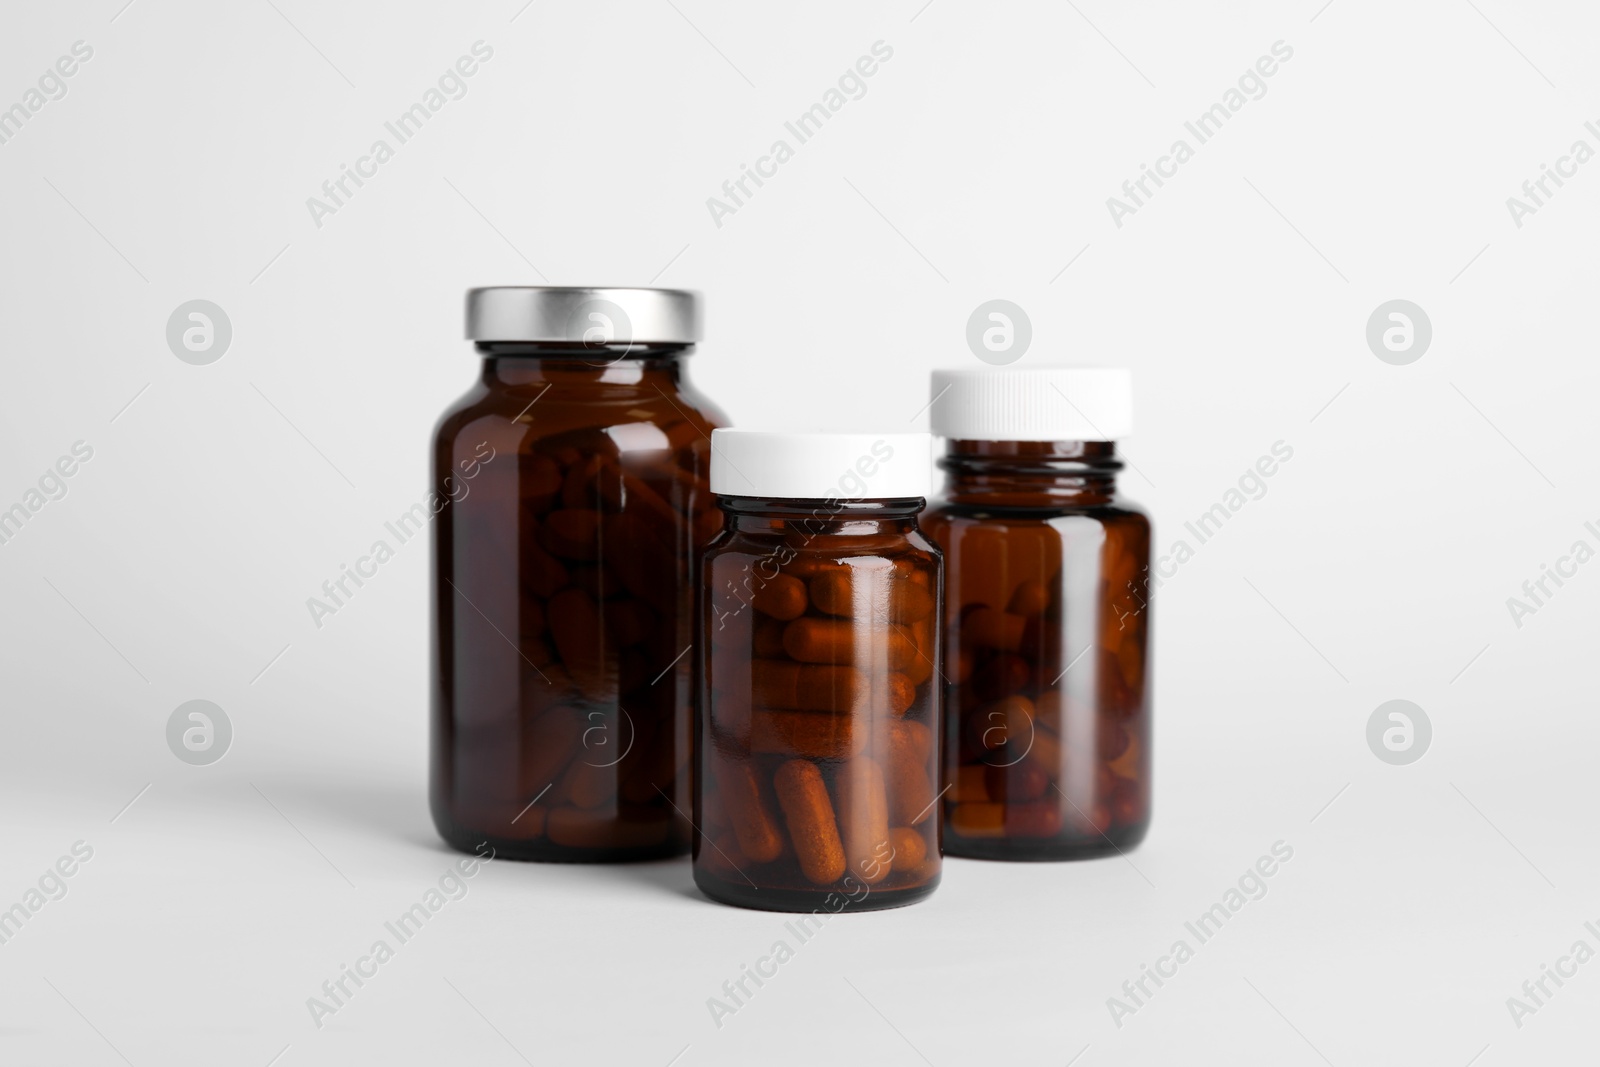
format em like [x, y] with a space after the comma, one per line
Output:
[1047, 706]
[818, 727]
[573, 510]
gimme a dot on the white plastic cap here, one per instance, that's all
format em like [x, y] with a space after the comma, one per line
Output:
[821, 466]
[1033, 404]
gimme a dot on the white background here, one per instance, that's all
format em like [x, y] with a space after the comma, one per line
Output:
[977, 165]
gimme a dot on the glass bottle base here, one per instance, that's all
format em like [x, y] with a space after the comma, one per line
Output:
[542, 850]
[821, 901]
[1044, 850]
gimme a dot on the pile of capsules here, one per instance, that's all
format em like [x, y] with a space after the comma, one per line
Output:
[1031, 757]
[604, 600]
[820, 718]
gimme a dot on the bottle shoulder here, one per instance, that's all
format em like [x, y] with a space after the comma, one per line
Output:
[606, 417]
[1115, 510]
[462, 412]
[797, 545]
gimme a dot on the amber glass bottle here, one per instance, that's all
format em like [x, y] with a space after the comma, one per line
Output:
[818, 729]
[572, 504]
[1047, 707]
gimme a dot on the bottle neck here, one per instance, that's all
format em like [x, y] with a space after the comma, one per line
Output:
[1030, 473]
[817, 518]
[525, 363]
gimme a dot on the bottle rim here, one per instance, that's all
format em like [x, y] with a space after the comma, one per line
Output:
[591, 316]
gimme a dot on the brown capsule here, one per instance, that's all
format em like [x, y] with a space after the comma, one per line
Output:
[978, 819]
[911, 791]
[1002, 723]
[1041, 818]
[754, 824]
[1019, 782]
[808, 813]
[919, 664]
[909, 602]
[972, 783]
[813, 734]
[810, 687]
[618, 490]
[780, 596]
[901, 693]
[915, 737]
[863, 811]
[1031, 598]
[831, 592]
[910, 847]
[588, 786]
[838, 641]
[1127, 765]
[847, 594]
[1112, 740]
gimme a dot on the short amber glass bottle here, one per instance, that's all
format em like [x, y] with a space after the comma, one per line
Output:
[1047, 710]
[818, 747]
[572, 504]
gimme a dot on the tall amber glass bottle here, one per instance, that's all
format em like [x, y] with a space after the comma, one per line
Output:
[1047, 709]
[570, 509]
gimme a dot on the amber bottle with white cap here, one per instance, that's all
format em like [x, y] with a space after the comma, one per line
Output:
[1047, 707]
[817, 747]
